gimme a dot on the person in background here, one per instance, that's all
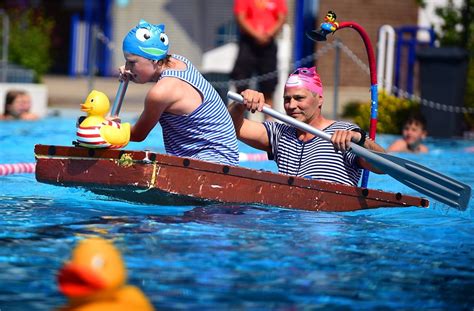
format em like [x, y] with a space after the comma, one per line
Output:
[18, 106]
[259, 22]
[299, 153]
[414, 132]
[193, 117]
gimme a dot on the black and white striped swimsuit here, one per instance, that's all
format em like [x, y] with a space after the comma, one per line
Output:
[208, 132]
[316, 158]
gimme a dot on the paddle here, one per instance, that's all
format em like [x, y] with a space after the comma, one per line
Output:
[414, 175]
[117, 105]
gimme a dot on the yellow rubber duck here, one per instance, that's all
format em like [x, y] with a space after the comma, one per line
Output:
[97, 132]
[94, 279]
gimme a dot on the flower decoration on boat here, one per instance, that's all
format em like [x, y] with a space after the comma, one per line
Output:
[125, 160]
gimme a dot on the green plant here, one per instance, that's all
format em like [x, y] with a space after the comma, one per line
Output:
[30, 41]
[469, 95]
[458, 30]
[392, 112]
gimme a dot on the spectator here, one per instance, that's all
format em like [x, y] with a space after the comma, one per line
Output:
[414, 132]
[259, 21]
[297, 152]
[17, 106]
[193, 117]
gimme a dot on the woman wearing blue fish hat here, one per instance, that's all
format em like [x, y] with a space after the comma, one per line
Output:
[194, 119]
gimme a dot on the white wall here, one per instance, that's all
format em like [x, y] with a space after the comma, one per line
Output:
[190, 24]
[38, 93]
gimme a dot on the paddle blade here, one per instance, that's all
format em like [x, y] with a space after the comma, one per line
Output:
[431, 183]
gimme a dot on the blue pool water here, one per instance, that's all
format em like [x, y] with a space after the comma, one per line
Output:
[238, 257]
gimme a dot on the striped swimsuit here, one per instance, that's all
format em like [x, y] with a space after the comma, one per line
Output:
[315, 158]
[90, 137]
[208, 132]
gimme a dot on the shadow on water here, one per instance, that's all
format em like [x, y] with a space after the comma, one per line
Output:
[27, 207]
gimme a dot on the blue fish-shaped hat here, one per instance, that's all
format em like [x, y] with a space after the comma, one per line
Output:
[147, 40]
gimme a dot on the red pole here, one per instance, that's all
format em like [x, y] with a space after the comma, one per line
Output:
[373, 73]
[330, 26]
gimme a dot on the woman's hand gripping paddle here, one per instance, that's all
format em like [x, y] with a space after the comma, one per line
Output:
[433, 184]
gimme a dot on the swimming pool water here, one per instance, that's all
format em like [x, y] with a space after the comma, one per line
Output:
[238, 257]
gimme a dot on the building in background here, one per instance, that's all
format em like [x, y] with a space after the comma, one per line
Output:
[414, 27]
[197, 27]
[354, 81]
[194, 26]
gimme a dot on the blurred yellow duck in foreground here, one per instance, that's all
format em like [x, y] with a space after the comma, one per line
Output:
[94, 279]
[95, 131]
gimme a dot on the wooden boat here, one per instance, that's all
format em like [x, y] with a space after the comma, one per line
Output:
[159, 179]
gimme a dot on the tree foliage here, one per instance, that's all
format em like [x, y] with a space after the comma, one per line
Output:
[457, 29]
[30, 41]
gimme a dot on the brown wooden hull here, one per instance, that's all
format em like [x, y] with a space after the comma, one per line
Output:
[161, 179]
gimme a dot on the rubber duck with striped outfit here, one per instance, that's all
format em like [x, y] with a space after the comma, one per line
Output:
[94, 131]
[94, 279]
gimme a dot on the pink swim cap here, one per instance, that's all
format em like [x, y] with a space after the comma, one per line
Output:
[307, 78]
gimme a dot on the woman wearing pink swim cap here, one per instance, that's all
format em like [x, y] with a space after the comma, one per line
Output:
[299, 153]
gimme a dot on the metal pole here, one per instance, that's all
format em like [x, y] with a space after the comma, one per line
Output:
[337, 63]
[299, 30]
[386, 47]
[92, 56]
[5, 40]
[114, 112]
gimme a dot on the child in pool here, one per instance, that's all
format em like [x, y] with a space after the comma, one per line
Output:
[414, 131]
[17, 106]
[194, 118]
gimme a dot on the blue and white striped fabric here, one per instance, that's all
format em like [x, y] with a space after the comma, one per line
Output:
[208, 132]
[316, 158]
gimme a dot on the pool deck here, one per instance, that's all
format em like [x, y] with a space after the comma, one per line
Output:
[66, 93]
[69, 92]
